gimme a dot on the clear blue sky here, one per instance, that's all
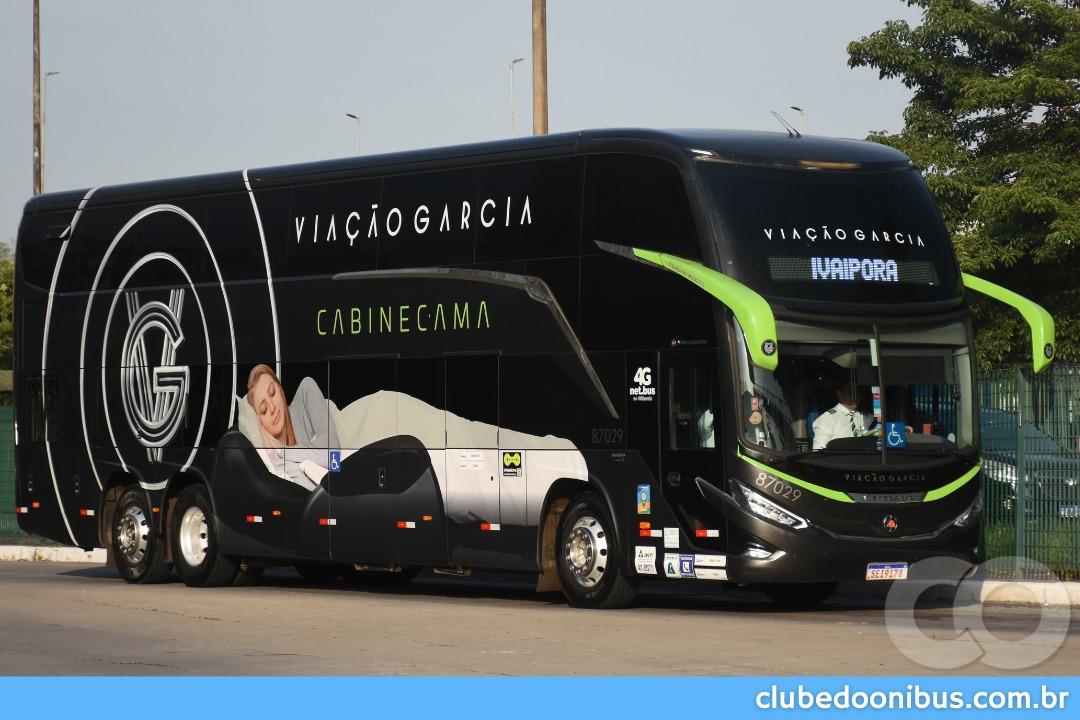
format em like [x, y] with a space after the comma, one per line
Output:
[153, 88]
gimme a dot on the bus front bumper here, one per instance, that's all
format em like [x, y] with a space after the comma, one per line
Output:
[761, 551]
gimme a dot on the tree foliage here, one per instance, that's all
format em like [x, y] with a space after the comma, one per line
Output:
[7, 306]
[994, 123]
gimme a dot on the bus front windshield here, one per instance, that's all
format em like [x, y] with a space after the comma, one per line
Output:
[865, 389]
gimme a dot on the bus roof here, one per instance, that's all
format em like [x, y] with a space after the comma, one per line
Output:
[768, 148]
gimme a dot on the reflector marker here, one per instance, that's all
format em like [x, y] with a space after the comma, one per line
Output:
[328, 521]
[706, 533]
[495, 527]
[406, 524]
[86, 512]
[652, 533]
[254, 518]
[22, 510]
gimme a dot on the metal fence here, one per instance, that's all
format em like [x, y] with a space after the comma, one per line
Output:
[1031, 481]
[8, 524]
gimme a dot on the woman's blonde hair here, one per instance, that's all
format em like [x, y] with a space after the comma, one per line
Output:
[253, 377]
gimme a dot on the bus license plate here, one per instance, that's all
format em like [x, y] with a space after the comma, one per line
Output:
[886, 571]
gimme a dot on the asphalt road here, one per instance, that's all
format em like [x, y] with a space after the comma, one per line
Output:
[82, 619]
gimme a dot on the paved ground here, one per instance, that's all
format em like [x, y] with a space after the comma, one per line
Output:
[82, 619]
[991, 592]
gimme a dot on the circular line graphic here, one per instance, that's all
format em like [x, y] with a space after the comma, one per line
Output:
[86, 320]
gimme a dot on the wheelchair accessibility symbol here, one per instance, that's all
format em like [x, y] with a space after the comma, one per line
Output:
[335, 461]
[895, 435]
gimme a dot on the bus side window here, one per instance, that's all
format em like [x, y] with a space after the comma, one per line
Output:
[638, 201]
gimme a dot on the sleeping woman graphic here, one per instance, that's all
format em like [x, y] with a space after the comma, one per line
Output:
[297, 437]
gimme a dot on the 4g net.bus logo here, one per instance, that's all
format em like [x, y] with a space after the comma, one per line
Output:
[643, 390]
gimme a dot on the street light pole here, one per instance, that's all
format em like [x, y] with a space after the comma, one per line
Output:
[802, 114]
[357, 119]
[513, 62]
[44, 97]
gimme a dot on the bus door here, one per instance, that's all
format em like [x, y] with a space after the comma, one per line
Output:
[473, 464]
[363, 481]
[691, 436]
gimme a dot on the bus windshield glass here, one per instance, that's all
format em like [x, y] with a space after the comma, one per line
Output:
[864, 389]
[813, 235]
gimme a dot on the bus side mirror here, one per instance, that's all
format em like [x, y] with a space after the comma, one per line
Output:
[1042, 325]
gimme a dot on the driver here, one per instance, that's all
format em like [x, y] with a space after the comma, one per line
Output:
[842, 421]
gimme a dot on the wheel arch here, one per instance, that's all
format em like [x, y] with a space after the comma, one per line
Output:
[559, 495]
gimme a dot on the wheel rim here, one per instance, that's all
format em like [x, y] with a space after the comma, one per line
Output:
[193, 537]
[586, 551]
[133, 535]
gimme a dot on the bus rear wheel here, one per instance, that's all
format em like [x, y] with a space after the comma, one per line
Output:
[193, 536]
[139, 550]
[588, 559]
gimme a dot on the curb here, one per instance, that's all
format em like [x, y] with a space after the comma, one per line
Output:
[1000, 592]
[972, 592]
[26, 553]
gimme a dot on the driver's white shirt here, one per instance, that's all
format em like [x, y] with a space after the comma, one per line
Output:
[836, 423]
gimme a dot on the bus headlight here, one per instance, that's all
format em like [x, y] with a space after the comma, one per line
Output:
[971, 514]
[766, 508]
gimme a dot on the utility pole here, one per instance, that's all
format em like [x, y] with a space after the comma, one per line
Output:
[540, 101]
[37, 97]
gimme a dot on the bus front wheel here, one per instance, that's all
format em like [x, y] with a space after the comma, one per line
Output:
[198, 559]
[588, 558]
[139, 550]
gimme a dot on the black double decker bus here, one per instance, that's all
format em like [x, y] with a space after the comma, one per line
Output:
[598, 357]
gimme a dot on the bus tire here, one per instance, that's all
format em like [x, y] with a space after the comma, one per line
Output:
[196, 553]
[796, 594]
[139, 551]
[588, 558]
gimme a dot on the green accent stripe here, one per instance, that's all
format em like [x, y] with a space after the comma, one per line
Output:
[752, 311]
[935, 494]
[1042, 325]
[954, 485]
[831, 494]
